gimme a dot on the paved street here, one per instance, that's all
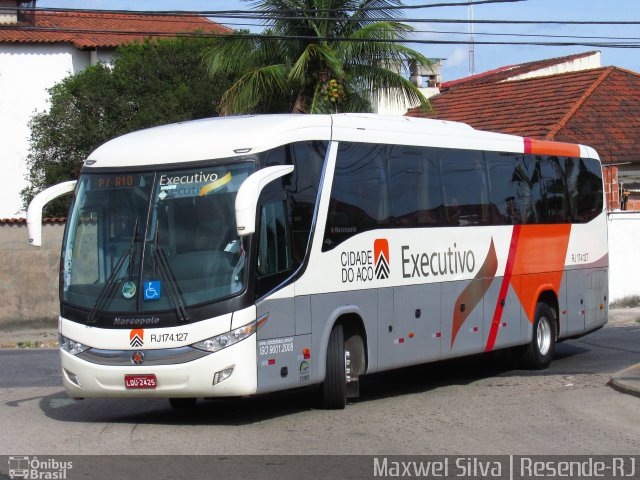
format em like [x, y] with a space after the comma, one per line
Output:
[478, 405]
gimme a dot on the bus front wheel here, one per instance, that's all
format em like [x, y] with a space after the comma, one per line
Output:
[539, 352]
[334, 387]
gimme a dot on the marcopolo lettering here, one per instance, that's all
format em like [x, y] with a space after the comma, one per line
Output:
[120, 321]
[449, 262]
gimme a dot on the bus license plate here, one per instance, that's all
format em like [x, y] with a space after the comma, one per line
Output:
[140, 381]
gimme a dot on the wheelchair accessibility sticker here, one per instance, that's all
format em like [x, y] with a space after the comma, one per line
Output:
[152, 290]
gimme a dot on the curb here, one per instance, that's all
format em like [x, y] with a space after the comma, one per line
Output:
[627, 381]
[29, 345]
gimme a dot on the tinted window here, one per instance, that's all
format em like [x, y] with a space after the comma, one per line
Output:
[274, 262]
[302, 188]
[584, 185]
[359, 197]
[526, 184]
[508, 184]
[464, 183]
[550, 195]
[414, 186]
[383, 186]
[543, 189]
[273, 248]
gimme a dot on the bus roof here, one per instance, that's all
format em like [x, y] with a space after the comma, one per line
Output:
[210, 138]
[237, 136]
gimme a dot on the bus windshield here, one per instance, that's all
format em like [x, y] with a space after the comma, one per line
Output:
[154, 241]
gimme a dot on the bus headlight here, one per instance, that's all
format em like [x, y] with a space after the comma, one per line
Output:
[225, 340]
[70, 346]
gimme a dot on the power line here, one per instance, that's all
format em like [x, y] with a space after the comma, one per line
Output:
[448, 20]
[211, 13]
[337, 39]
[262, 15]
[458, 4]
[519, 35]
[449, 32]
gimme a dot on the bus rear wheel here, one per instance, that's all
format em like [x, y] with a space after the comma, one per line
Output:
[334, 387]
[539, 353]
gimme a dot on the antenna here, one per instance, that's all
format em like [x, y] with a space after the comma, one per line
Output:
[472, 45]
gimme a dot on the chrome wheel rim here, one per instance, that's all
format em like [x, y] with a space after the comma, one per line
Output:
[347, 366]
[543, 335]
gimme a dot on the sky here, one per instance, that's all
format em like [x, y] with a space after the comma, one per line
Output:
[456, 58]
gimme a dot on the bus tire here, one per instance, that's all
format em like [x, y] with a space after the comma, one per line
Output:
[334, 387]
[182, 403]
[539, 352]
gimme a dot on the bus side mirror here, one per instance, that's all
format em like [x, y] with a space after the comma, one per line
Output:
[248, 193]
[34, 212]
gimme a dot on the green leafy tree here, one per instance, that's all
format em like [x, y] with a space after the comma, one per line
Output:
[148, 84]
[343, 54]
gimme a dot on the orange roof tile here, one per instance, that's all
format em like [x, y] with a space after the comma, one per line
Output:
[598, 107]
[92, 29]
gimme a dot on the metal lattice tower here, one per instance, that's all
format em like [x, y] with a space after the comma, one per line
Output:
[472, 45]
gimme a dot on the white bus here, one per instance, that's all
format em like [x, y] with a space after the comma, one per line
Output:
[243, 255]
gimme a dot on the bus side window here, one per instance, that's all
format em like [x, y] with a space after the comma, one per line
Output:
[584, 185]
[464, 183]
[359, 194]
[274, 247]
[414, 187]
[302, 189]
[509, 188]
[552, 201]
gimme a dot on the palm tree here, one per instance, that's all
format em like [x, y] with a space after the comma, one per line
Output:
[317, 56]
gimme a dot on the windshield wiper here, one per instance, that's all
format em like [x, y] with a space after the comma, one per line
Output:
[110, 285]
[160, 259]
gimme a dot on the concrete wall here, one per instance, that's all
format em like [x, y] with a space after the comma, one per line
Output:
[29, 276]
[624, 255]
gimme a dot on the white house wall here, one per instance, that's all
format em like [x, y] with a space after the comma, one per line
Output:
[26, 72]
[577, 65]
[384, 104]
[624, 255]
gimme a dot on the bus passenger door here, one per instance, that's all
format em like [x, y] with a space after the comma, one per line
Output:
[278, 346]
[462, 317]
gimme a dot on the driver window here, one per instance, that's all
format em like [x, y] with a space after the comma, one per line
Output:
[85, 250]
[274, 250]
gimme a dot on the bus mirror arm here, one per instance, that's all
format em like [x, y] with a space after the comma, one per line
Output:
[34, 212]
[248, 194]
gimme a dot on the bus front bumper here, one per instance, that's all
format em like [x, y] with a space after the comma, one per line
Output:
[84, 379]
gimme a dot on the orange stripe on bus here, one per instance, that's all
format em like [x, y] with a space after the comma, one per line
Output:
[504, 287]
[545, 147]
[540, 257]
